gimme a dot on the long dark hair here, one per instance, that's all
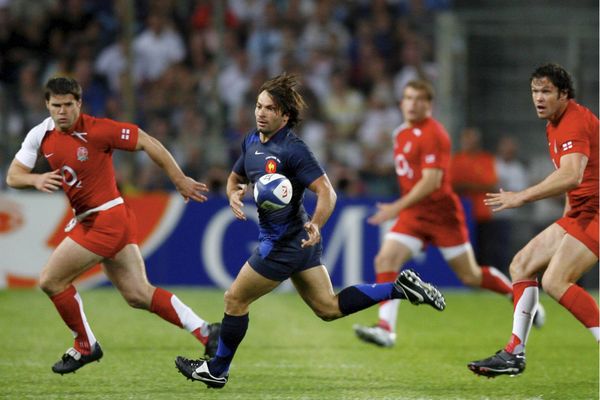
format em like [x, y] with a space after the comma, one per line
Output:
[282, 90]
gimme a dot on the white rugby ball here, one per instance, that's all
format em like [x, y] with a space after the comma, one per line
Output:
[272, 191]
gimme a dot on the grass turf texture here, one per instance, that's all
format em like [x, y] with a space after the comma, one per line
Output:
[289, 353]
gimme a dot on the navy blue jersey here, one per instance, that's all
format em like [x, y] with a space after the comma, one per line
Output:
[284, 153]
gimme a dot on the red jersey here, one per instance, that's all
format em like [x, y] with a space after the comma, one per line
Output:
[83, 155]
[423, 145]
[438, 218]
[577, 132]
[476, 168]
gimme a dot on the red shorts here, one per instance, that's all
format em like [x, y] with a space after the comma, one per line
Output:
[440, 226]
[583, 226]
[106, 232]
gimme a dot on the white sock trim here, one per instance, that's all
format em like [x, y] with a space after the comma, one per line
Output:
[88, 329]
[188, 318]
[596, 332]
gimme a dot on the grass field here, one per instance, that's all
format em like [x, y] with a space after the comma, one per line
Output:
[290, 354]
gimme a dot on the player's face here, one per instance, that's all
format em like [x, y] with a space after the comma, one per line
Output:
[64, 110]
[549, 103]
[268, 118]
[415, 105]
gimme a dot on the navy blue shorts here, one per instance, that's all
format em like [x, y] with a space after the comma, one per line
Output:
[286, 258]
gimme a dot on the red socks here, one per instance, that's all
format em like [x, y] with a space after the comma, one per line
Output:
[494, 280]
[161, 305]
[69, 306]
[582, 305]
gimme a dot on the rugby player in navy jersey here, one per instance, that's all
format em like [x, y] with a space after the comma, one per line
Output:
[289, 240]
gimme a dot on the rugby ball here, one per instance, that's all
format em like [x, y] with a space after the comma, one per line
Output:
[272, 191]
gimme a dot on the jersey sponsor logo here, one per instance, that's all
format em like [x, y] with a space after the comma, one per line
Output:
[258, 153]
[271, 167]
[402, 167]
[125, 133]
[80, 135]
[567, 145]
[430, 158]
[82, 154]
[70, 176]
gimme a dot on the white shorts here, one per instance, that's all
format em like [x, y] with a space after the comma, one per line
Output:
[415, 245]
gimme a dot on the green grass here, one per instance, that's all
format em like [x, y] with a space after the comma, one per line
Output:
[290, 354]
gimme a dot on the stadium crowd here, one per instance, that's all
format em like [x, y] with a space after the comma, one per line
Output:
[195, 93]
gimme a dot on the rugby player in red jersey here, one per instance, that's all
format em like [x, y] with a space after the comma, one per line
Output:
[569, 247]
[78, 148]
[429, 212]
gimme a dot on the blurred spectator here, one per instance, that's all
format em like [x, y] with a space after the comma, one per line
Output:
[324, 33]
[94, 90]
[413, 64]
[512, 176]
[234, 80]
[265, 39]
[344, 106]
[112, 64]
[545, 211]
[380, 118]
[473, 173]
[157, 47]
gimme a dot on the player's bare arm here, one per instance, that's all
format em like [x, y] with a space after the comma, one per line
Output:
[430, 181]
[186, 186]
[326, 199]
[565, 178]
[236, 190]
[19, 176]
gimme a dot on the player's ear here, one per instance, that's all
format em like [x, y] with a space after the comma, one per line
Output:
[563, 94]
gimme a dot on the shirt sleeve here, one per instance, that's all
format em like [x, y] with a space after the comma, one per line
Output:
[573, 139]
[239, 167]
[303, 162]
[30, 147]
[434, 152]
[119, 135]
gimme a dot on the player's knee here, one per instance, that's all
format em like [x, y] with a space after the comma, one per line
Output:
[327, 315]
[383, 262]
[517, 267]
[470, 280]
[49, 285]
[136, 300]
[552, 286]
[327, 312]
[233, 303]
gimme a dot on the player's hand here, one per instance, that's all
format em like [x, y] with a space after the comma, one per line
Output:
[235, 201]
[503, 200]
[188, 188]
[314, 234]
[385, 211]
[48, 182]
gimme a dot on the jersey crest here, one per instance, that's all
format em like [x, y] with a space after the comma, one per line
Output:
[82, 154]
[271, 166]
